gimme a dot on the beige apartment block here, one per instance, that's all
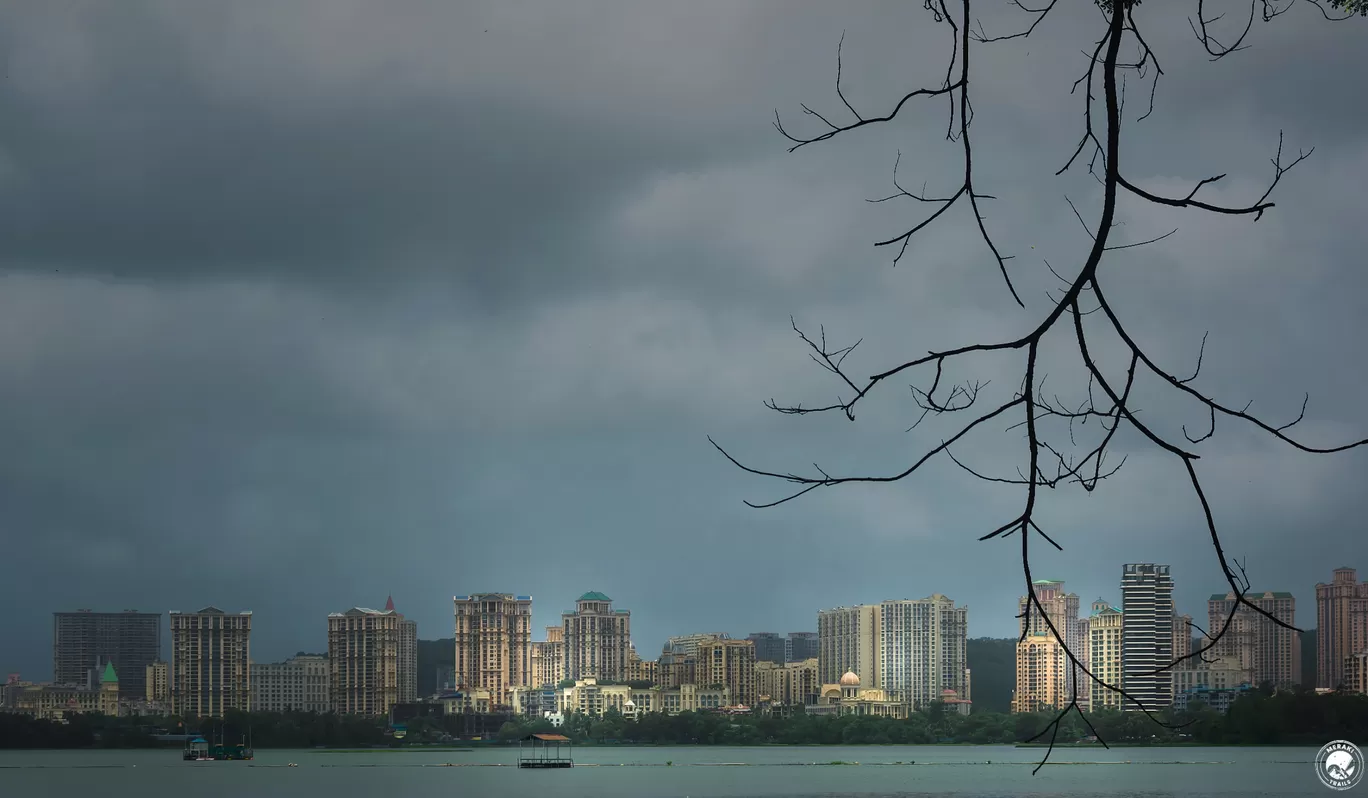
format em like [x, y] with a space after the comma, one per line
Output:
[1356, 673]
[210, 662]
[476, 701]
[1271, 653]
[642, 670]
[848, 642]
[1341, 625]
[588, 697]
[677, 666]
[1040, 668]
[597, 639]
[1061, 611]
[371, 660]
[1182, 637]
[1104, 655]
[547, 659]
[688, 644]
[298, 684]
[158, 681]
[1220, 673]
[792, 684]
[493, 643]
[729, 664]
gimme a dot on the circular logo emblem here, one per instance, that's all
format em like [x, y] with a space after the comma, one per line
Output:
[1339, 765]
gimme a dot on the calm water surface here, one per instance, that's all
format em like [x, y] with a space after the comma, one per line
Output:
[986, 771]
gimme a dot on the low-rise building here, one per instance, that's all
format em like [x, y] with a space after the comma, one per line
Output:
[1217, 699]
[1220, 673]
[56, 701]
[642, 670]
[848, 698]
[588, 697]
[472, 701]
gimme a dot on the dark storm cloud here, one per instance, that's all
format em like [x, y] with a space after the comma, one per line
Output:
[308, 303]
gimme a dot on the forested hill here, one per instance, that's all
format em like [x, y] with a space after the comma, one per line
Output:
[993, 663]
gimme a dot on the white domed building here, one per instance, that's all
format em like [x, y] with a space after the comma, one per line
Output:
[848, 698]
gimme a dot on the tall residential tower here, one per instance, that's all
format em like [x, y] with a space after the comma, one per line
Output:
[493, 643]
[83, 642]
[597, 639]
[1146, 635]
[371, 660]
[1341, 625]
[210, 662]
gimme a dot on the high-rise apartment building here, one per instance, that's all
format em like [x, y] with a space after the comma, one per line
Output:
[1061, 610]
[848, 640]
[1104, 655]
[769, 647]
[408, 660]
[211, 653]
[791, 684]
[1040, 668]
[1146, 635]
[911, 648]
[298, 684]
[157, 677]
[922, 649]
[801, 646]
[597, 639]
[372, 663]
[688, 644]
[1182, 638]
[677, 666]
[494, 643]
[729, 664]
[1341, 625]
[83, 642]
[548, 658]
[1269, 653]
[1356, 673]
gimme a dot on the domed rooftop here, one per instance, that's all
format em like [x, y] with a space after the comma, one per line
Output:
[850, 679]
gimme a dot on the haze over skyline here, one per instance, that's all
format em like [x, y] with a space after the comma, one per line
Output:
[304, 305]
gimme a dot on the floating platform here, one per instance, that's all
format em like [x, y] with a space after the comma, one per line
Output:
[544, 751]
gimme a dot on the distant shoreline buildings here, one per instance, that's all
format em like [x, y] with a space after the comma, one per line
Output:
[886, 659]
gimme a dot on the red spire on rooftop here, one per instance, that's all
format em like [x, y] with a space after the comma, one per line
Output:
[389, 604]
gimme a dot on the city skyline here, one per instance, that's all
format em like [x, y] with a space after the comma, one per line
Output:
[891, 657]
[649, 650]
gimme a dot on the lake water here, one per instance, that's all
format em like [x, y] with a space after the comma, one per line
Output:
[698, 772]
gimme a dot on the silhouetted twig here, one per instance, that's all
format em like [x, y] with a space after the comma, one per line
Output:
[1050, 464]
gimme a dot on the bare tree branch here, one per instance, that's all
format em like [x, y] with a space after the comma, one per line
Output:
[1045, 418]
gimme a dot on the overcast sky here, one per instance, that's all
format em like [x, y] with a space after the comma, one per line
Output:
[307, 303]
